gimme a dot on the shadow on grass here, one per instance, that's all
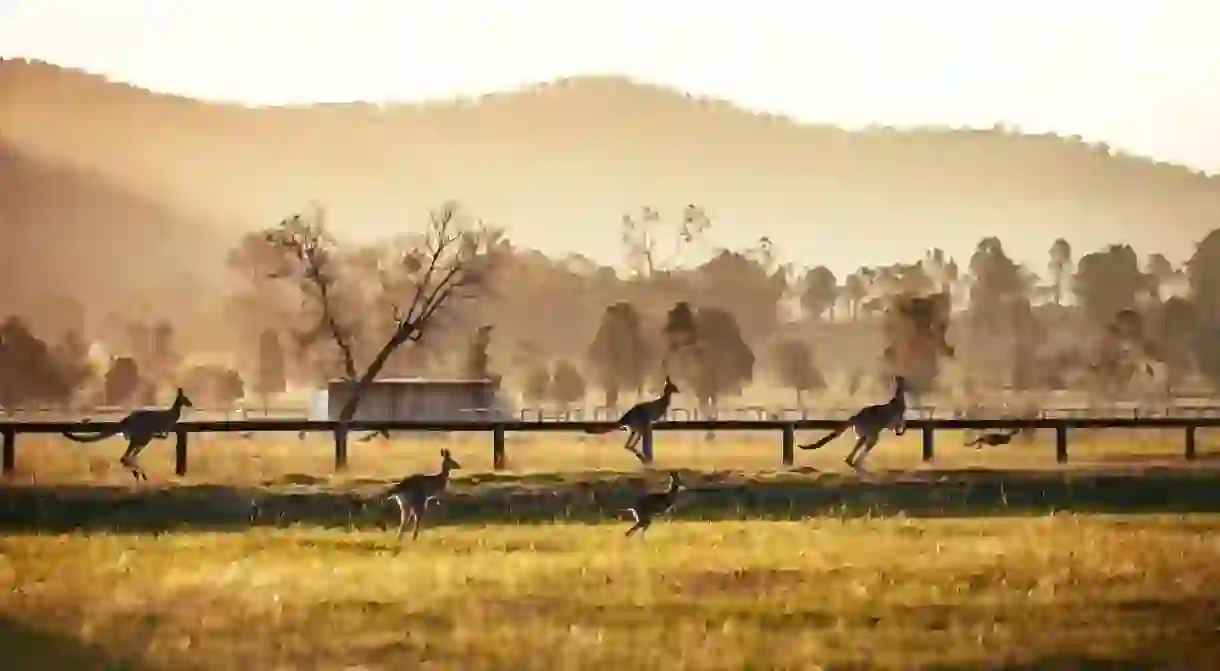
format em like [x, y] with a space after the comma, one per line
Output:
[28, 649]
[592, 497]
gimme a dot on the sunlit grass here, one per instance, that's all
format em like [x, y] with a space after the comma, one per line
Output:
[890, 593]
[229, 459]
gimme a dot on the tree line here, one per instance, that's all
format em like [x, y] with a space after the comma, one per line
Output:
[65, 374]
[312, 309]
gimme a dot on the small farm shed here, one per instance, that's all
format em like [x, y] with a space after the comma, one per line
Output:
[415, 399]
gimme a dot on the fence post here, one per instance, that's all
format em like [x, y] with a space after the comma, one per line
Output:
[341, 447]
[789, 442]
[1190, 442]
[1061, 443]
[180, 451]
[646, 445]
[928, 448]
[497, 447]
[10, 450]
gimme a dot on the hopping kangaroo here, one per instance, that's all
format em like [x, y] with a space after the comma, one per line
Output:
[651, 505]
[993, 438]
[641, 416]
[414, 492]
[869, 423]
[140, 427]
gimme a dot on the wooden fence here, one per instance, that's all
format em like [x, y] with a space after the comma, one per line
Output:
[9, 431]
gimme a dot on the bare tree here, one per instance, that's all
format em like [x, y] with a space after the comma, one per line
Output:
[643, 235]
[447, 262]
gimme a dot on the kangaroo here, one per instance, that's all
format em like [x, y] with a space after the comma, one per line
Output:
[869, 423]
[993, 438]
[650, 505]
[414, 492]
[639, 417]
[139, 427]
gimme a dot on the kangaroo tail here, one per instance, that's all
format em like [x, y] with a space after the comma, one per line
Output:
[93, 437]
[596, 430]
[825, 439]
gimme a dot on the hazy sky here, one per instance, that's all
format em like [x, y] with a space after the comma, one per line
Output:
[1142, 74]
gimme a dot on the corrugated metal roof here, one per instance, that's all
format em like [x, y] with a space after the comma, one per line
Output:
[421, 381]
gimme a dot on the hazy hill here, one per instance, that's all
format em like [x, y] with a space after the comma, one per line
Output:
[560, 163]
[64, 233]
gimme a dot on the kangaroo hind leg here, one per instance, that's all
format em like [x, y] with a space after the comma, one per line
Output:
[418, 520]
[402, 517]
[855, 450]
[135, 445]
[632, 442]
[641, 524]
[869, 444]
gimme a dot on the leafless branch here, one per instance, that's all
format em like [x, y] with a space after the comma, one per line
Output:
[309, 250]
[457, 260]
[450, 260]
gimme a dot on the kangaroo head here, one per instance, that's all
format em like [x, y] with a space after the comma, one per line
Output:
[900, 384]
[448, 463]
[182, 399]
[670, 387]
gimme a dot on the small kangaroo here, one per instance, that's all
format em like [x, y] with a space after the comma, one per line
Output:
[639, 417]
[139, 427]
[653, 504]
[414, 492]
[869, 423]
[993, 438]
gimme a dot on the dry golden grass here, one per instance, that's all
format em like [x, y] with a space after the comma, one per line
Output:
[735, 589]
[1050, 592]
[270, 458]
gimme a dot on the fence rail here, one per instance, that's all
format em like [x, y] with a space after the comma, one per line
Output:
[9, 430]
[1177, 408]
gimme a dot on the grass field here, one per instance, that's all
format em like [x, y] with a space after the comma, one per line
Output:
[987, 559]
[1051, 592]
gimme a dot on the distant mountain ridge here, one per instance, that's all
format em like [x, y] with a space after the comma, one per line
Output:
[559, 163]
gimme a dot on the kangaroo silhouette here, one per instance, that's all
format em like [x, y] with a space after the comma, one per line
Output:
[654, 504]
[139, 427]
[993, 438]
[639, 417]
[869, 423]
[414, 493]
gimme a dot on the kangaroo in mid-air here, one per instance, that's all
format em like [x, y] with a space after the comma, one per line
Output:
[653, 504]
[869, 423]
[139, 427]
[639, 417]
[993, 438]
